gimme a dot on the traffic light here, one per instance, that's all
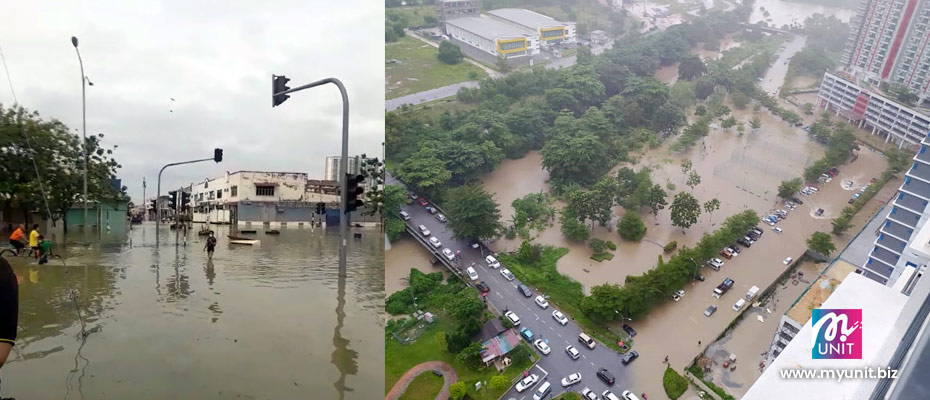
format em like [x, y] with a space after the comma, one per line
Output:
[185, 201]
[321, 208]
[173, 200]
[217, 155]
[154, 205]
[279, 85]
[354, 191]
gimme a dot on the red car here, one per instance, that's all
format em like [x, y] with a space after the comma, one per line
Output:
[423, 202]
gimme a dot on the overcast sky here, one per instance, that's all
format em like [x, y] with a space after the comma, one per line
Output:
[215, 59]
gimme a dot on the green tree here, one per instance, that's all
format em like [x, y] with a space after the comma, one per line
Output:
[528, 252]
[499, 382]
[741, 128]
[685, 210]
[693, 180]
[373, 170]
[656, 200]
[631, 226]
[821, 243]
[597, 246]
[457, 390]
[424, 171]
[449, 53]
[841, 224]
[728, 123]
[581, 158]
[686, 166]
[787, 189]
[394, 198]
[740, 100]
[710, 206]
[533, 210]
[471, 354]
[691, 67]
[472, 213]
[755, 122]
[572, 227]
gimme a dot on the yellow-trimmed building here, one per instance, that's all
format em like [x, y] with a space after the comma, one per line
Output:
[493, 36]
[548, 30]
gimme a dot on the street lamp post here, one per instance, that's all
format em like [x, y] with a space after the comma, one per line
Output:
[158, 192]
[74, 41]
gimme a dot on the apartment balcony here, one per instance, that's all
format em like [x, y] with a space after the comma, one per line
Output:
[885, 255]
[910, 202]
[905, 217]
[879, 268]
[891, 243]
[916, 187]
[897, 230]
[920, 170]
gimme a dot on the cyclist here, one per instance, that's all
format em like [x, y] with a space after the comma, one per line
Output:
[17, 238]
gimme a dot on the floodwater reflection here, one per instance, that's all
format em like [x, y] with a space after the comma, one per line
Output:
[169, 323]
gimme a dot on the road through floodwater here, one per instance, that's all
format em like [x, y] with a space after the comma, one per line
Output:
[269, 321]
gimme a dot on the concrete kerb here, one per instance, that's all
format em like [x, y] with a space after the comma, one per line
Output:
[699, 383]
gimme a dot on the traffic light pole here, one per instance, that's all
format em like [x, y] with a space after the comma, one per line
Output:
[343, 164]
[158, 194]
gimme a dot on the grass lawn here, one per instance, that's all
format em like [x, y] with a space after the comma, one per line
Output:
[425, 386]
[568, 396]
[399, 358]
[419, 69]
[602, 256]
[564, 292]
[413, 15]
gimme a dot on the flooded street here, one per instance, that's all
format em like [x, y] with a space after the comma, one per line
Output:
[267, 321]
[775, 75]
[782, 12]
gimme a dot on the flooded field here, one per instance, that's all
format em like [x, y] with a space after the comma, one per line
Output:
[727, 43]
[667, 74]
[269, 321]
[782, 12]
[404, 254]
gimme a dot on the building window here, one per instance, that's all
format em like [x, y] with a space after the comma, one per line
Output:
[264, 190]
[233, 191]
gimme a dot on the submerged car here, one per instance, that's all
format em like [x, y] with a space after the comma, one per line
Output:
[710, 311]
[678, 295]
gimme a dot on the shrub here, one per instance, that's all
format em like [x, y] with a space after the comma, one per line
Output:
[675, 385]
[670, 247]
[572, 228]
[457, 390]
[400, 302]
[611, 245]
[631, 227]
[598, 246]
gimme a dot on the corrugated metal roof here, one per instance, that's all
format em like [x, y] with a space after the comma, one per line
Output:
[487, 28]
[527, 18]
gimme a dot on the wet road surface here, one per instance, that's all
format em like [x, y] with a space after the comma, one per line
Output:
[272, 321]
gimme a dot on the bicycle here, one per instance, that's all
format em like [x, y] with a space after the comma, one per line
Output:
[12, 251]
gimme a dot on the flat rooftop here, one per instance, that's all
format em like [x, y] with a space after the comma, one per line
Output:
[487, 28]
[527, 18]
[880, 306]
[820, 291]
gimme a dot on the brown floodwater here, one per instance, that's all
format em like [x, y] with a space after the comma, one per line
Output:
[743, 172]
[667, 74]
[404, 254]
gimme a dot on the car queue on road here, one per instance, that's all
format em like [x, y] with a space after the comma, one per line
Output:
[563, 368]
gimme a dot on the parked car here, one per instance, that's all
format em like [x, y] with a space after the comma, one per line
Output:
[472, 243]
[527, 382]
[404, 216]
[584, 338]
[606, 376]
[787, 261]
[483, 287]
[423, 202]
[441, 218]
[629, 357]
[559, 317]
[512, 317]
[744, 242]
[797, 200]
[628, 395]
[715, 263]
[525, 290]
[507, 274]
[710, 311]
[678, 295]
[734, 248]
[726, 253]
[448, 253]
[413, 195]
[572, 352]
[588, 394]
[527, 334]
[542, 346]
[571, 379]
[472, 274]
[435, 242]
[423, 230]
[629, 330]
[492, 262]
[541, 301]
[608, 395]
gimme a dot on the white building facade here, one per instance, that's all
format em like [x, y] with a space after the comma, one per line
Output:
[492, 36]
[333, 169]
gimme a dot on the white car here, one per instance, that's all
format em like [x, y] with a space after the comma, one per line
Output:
[716, 262]
[512, 317]
[787, 261]
[423, 230]
[472, 274]
[777, 229]
[507, 274]
[608, 395]
[492, 262]
[435, 242]
[573, 353]
[527, 382]
[541, 301]
[678, 295]
[571, 379]
[448, 253]
[542, 346]
[628, 395]
[588, 394]
[559, 317]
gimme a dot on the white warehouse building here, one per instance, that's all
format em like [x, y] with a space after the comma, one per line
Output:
[548, 30]
[493, 36]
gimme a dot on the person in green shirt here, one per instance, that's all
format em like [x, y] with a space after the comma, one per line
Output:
[45, 249]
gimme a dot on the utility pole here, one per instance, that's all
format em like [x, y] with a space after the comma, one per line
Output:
[144, 201]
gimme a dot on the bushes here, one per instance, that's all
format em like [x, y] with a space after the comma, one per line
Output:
[631, 227]
[572, 228]
[670, 247]
[675, 385]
